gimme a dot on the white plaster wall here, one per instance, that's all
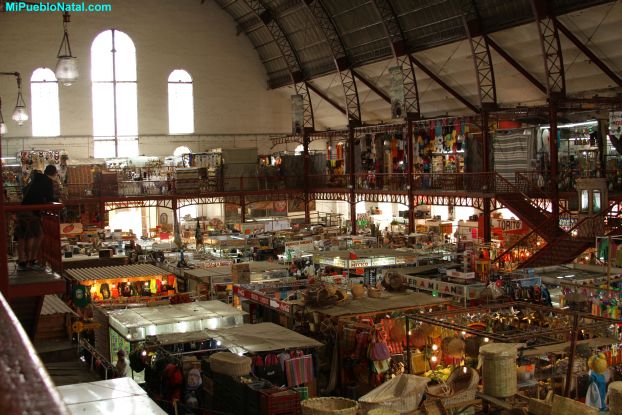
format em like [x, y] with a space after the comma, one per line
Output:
[230, 90]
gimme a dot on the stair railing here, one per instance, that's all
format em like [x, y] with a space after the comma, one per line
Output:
[606, 221]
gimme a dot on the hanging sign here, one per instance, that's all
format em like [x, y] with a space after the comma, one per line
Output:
[615, 123]
[396, 92]
[297, 114]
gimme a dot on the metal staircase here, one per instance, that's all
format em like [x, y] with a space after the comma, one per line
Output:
[527, 209]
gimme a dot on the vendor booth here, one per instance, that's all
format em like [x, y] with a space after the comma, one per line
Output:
[524, 348]
[120, 396]
[242, 369]
[127, 329]
[120, 284]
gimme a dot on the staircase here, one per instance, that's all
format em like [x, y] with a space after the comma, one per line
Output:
[559, 252]
[568, 247]
[526, 210]
[27, 310]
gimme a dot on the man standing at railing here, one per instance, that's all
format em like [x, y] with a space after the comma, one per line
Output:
[28, 229]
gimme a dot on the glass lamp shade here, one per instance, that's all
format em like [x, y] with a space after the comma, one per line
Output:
[67, 70]
[2, 128]
[20, 116]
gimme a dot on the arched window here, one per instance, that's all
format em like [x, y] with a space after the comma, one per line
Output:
[44, 99]
[113, 73]
[180, 103]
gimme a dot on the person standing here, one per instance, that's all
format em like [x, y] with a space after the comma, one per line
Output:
[28, 230]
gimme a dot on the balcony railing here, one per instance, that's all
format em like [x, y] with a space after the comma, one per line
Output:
[50, 252]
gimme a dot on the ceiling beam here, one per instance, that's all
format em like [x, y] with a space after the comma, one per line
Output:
[516, 65]
[371, 86]
[442, 83]
[343, 65]
[286, 48]
[551, 49]
[588, 52]
[326, 98]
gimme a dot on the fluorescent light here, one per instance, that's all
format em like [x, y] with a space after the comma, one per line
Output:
[576, 124]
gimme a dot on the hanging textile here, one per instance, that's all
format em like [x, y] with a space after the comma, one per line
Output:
[299, 370]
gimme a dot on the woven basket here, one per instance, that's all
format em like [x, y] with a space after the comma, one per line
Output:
[539, 407]
[460, 386]
[614, 393]
[329, 406]
[374, 293]
[230, 364]
[499, 369]
[566, 406]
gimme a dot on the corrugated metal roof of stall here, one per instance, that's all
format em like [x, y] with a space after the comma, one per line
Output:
[52, 304]
[121, 271]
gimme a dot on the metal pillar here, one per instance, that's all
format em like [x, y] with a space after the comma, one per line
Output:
[601, 140]
[242, 209]
[409, 171]
[305, 158]
[553, 178]
[352, 179]
[486, 147]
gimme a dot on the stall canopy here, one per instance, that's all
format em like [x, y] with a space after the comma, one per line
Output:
[137, 323]
[388, 302]
[54, 305]
[113, 273]
[260, 337]
[122, 396]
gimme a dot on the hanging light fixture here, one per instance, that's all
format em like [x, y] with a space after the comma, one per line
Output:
[2, 124]
[20, 115]
[67, 66]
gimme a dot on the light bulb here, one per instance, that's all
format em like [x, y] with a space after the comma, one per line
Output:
[2, 128]
[434, 347]
[434, 359]
[20, 116]
[486, 339]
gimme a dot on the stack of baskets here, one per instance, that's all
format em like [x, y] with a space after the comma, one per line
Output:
[329, 406]
[231, 364]
[460, 387]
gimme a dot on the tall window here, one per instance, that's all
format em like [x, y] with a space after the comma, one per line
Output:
[180, 103]
[113, 73]
[44, 98]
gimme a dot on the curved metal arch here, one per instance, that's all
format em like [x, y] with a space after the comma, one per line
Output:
[551, 49]
[327, 26]
[342, 197]
[396, 37]
[199, 201]
[279, 36]
[480, 51]
[126, 204]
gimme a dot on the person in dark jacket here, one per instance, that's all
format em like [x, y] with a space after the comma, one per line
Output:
[28, 230]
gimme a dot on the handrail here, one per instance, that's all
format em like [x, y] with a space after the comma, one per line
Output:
[520, 177]
[54, 207]
[25, 386]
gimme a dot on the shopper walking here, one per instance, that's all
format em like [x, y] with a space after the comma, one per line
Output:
[28, 229]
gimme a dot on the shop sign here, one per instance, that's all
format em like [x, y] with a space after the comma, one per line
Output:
[338, 262]
[507, 224]
[299, 245]
[457, 274]
[70, 228]
[378, 262]
[405, 260]
[359, 263]
[615, 123]
[214, 264]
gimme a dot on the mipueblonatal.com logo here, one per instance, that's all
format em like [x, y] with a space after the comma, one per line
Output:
[28, 7]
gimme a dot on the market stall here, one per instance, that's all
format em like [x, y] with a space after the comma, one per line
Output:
[126, 329]
[353, 327]
[239, 366]
[121, 395]
[369, 264]
[120, 284]
[524, 347]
